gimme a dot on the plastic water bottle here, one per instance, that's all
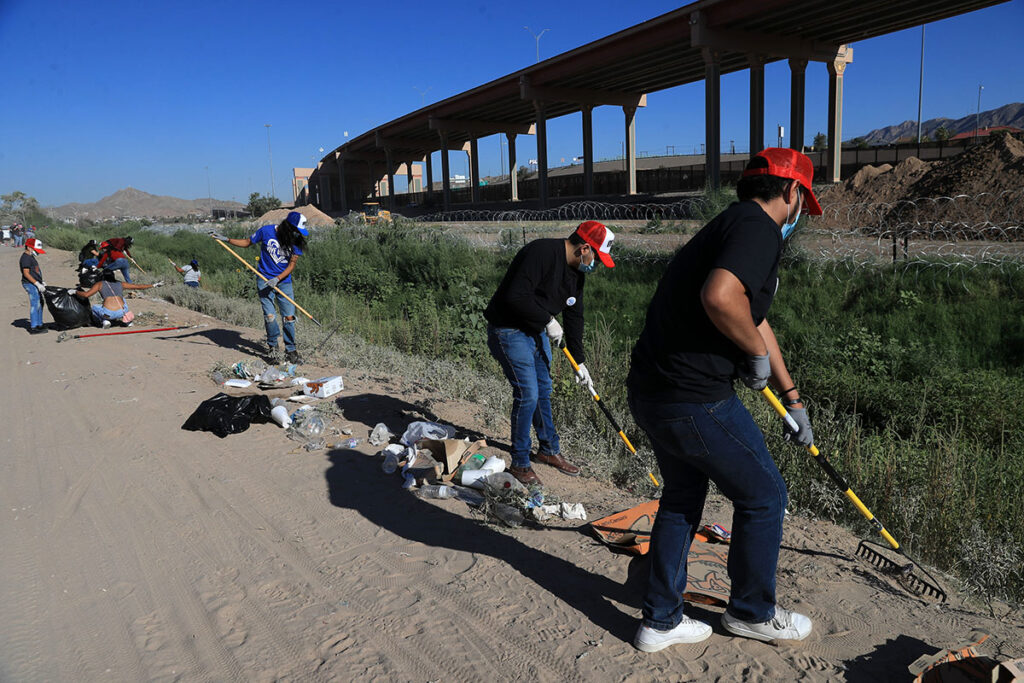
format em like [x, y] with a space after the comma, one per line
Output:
[390, 463]
[508, 515]
[475, 462]
[435, 491]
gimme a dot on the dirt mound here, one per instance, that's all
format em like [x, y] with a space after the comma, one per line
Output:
[995, 166]
[314, 216]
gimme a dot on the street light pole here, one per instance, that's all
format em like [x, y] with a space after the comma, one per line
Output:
[977, 114]
[270, 156]
[537, 38]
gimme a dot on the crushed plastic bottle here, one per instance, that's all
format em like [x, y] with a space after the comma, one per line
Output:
[306, 426]
[218, 378]
[380, 435]
[508, 515]
[315, 444]
[503, 481]
[436, 491]
[391, 455]
[469, 496]
[272, 375]
[249, 369]
[352, 443]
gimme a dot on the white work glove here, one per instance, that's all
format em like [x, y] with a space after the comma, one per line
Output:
[218, 236]
[555, 332]
[72, 292]
[583, 378]
[158, 284]
[271, 283]
[173, 263]
[755, 371]
[41, 286]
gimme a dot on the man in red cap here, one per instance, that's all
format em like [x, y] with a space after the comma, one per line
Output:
[32, 281]
[706, 327]
[545, 279]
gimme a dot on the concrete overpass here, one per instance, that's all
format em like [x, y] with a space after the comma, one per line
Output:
[700, 41]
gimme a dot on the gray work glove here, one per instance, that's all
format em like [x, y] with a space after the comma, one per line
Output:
[41, 286]
[218, 236]
[804, 437]
[554, 331]
[271, 283]
[72, 292]
[755, 371]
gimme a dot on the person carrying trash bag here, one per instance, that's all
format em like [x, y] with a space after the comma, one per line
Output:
[113, 308]
[706, 326]
[32, 281]
[280, 248]
[545, 279]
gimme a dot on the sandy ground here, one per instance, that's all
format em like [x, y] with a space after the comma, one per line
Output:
[134, 550]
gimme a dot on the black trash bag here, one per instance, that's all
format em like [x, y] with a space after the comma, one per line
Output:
[225, 414]
[68, 311]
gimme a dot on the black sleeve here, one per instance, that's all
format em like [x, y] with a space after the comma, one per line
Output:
[521, 296]
[572, 320]
[749, 252]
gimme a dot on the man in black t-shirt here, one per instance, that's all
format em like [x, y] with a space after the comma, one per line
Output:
[32, 281]
[545, 279]
[705, 327]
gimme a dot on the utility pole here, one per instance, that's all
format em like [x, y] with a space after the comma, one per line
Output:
[270, 156]
[977, 114]
[423, 95]
[920, 88]
[537, 38]
[209, 192]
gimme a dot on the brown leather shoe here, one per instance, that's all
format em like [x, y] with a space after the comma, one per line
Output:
[525, 475]
[559, 463]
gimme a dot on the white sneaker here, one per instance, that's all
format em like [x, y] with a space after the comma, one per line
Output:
[648, 639]
[105, 324]
[785, 625]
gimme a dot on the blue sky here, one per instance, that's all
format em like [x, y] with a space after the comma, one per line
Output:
[101, 96]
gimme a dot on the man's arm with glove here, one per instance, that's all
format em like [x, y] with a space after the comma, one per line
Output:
[554, 332]
[271, 283]
[584, 379]
[41, 286]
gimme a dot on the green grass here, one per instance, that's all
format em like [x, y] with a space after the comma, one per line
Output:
[914, 377]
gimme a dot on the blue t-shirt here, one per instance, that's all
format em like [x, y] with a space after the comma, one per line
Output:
[273, 257]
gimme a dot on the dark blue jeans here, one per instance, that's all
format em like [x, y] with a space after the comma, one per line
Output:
[267, 298]
[695, 443]
[120, 264]
[526, 361]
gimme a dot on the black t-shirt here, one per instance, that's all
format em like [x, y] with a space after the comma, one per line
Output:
[681, 355]
[539, 284]
[29, 261]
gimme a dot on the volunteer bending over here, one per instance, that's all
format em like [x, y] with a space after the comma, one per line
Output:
[111, 291]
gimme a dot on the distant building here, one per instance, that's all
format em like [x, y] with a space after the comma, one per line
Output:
[983, 132]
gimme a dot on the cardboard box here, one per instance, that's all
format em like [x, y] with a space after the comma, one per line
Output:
[451, 452]
[324, 387]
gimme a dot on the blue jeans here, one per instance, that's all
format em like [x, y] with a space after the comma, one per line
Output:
[287, 309]
[101, 313]
[526, 361]
[192, 284]
[35, 305]
[695, 443]
[119, 264]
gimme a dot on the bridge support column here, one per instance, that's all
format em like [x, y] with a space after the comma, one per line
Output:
[429, 180]
[474, 171]
[834, 156]
[446, 183]
[756, 104]
[542, 153]
[712, 119]
[797, 90]
[629, 148]
[342, 187]
[588, 150]
[389, 160]
[513, 175]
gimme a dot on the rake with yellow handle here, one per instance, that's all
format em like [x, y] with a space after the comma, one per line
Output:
[136, 264]
[604, 409]
[247, 265]
[904, 571]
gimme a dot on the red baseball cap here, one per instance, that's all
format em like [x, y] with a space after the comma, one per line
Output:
[600, 240]
[35, 245]
[789, 163]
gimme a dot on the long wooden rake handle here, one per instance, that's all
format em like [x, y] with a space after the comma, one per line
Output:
[249, 266]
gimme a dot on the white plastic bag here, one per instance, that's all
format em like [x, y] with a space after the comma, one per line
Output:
[426, 430]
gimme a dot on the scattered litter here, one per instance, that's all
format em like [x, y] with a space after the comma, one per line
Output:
[717, 532]
[251, 368]
[298, 381]
[392, 454]
[352, 443]
[380, 435]
[324, 387]
[426, 430]
[280, 415]
[347, 431]
[301, 398]
[315, 445]
[306, 425]
[237, 383]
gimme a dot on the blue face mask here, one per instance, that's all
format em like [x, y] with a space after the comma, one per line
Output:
[788, 228]
[587, 267]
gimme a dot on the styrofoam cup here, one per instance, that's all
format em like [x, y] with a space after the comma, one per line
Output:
[280, 416]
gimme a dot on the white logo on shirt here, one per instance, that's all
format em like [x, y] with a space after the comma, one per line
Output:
[275, 252]
[571, 301]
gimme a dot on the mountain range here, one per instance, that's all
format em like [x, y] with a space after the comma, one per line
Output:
[132, 203]
[1007, 115]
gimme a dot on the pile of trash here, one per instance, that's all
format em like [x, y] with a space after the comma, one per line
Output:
[434, 464]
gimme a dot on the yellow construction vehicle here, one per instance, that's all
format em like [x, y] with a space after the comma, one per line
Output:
[372, 213]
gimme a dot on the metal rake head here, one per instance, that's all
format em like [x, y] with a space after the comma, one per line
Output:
[907, 574]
